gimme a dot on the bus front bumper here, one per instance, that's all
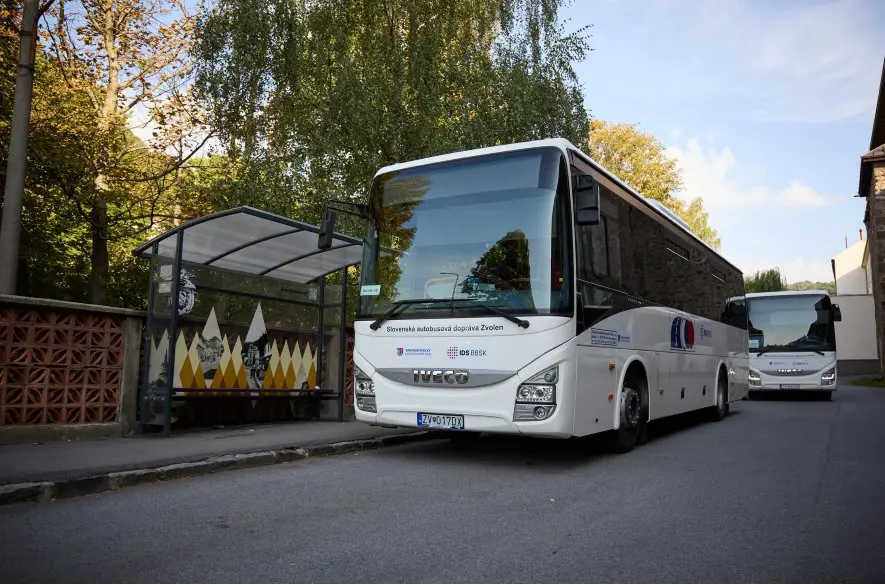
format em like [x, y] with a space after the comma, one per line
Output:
[490, 409]
[784, 384]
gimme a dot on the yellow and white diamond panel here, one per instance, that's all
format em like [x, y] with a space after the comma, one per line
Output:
[211, 362]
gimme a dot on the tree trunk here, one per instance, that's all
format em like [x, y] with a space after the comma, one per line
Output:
[23, 278]
[98, 277]
[13, 192]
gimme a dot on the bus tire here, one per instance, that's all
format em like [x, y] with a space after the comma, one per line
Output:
[632, 425]
[825, 395]
[720, 410]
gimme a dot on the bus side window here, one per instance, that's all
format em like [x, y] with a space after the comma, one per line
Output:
[599, 237]
[594, 250]
[735, 314]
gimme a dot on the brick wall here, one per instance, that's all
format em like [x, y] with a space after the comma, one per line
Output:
[67, 364]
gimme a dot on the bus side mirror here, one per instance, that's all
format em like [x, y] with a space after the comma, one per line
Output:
[327, 231]
[586, 192]
[837, 313]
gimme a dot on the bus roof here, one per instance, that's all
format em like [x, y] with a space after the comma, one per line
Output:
[565, 146]
[786, 293]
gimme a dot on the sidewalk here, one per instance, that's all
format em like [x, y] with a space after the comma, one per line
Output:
[46, 471]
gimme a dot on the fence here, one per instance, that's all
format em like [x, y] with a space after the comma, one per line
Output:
[65, 365]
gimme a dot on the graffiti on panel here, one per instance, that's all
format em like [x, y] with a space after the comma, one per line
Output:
[216, 363]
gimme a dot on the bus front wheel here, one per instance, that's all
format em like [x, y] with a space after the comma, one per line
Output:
[632, 424]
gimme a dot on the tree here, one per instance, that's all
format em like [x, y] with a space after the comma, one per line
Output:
[639, 159]
[121, 57]
[322, 94]
[14, 178]
[830, 286]
[765, 281]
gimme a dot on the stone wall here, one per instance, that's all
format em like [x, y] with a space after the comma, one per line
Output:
[876, 231]
[66, 367]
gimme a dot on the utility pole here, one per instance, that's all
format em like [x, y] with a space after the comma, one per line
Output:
[10, 229]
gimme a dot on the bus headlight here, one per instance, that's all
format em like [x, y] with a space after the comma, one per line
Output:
[828, 378]
[364, 389]
[755, 378]
[536, 398]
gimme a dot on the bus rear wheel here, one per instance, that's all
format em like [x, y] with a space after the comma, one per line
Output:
[632, 425]
[720, 409]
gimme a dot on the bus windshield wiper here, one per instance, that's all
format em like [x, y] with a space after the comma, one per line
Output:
[398, 307]
[512, 318]
[771, 348]
[800, 348]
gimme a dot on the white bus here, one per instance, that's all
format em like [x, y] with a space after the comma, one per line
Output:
[792, 341]
[524, 289]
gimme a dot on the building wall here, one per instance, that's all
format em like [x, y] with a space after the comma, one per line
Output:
[876, 231]
[856, 335]
[851, 275]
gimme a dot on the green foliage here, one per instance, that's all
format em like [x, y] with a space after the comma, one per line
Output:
[321, 95]
[871, 381]
[772, 280]
[830, 286]
[765, 281]
[638, 158]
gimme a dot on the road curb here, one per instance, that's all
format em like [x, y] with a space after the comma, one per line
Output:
[116, 480]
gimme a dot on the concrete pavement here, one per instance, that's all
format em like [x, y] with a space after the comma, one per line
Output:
[65, 469]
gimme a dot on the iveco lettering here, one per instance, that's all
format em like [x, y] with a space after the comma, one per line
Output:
[552, 300]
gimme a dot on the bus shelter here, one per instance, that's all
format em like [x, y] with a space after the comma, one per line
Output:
[242, 304]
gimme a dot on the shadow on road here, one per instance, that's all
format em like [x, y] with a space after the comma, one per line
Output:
[546, 454]
[788, 395]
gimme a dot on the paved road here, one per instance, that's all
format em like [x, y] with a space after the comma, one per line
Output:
[780, 491]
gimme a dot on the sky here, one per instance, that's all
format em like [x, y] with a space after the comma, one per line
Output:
[767, 106]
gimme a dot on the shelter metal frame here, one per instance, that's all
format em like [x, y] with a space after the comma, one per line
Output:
[253, 243]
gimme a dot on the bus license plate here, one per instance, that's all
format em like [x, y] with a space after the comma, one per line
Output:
[789, 386]
[440, 421]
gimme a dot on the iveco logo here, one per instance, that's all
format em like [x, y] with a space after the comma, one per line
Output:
[441, 376]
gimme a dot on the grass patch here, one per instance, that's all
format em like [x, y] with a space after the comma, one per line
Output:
[873, 381]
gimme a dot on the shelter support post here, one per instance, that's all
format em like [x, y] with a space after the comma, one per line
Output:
[147, 340]
[321, 335]
[342, 345]
[173, 332]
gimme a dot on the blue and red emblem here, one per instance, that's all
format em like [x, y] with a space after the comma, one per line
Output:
[682, 333]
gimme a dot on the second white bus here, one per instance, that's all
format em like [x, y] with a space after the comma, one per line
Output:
[792, 341]
[524, 289]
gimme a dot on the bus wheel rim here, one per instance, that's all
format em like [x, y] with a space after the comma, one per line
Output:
[630, 408]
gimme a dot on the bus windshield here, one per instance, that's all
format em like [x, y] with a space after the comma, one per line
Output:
[494, 229]
[791, 323]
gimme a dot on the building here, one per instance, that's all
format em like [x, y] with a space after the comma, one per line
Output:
[852, 270]
[856, 333]
[872, 187]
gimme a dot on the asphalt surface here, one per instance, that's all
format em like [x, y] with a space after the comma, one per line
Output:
[780, 491]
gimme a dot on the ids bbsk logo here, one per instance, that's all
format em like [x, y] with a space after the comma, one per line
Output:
[454, 352]
[682, 333]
